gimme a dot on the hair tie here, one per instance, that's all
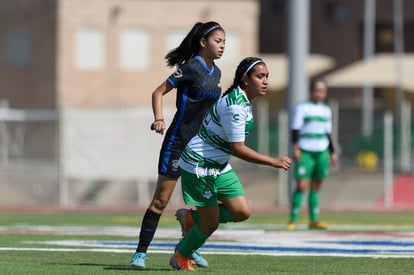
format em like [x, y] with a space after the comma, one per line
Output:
[211, 29]
[252, 65]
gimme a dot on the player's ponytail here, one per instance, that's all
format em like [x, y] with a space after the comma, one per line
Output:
[190, 46]
[245, 67]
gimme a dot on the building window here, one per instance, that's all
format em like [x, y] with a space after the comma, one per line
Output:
[90, 48]
[134, 49]
[18, 48]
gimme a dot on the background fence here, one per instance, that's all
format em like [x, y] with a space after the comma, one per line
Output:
[109, 157]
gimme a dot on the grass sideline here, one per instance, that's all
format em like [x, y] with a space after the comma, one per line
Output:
[62, 262]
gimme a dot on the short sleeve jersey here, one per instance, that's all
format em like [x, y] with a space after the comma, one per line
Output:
[198, 88]
[229, 120]
[314, 122]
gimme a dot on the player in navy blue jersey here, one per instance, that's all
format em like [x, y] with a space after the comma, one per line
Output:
[197, 82]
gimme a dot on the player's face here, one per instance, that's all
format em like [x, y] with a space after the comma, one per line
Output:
[256, 83]
[319, 92]
[213, 46]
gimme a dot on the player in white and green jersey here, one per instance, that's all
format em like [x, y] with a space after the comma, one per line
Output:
[207, 179]
[313, 151]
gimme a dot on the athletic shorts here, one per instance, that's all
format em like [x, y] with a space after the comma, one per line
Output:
[208, 190]
[168, 162]
[312, 165]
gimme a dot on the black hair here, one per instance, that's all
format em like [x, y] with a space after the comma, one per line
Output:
[244, 68]
[314, 81]
[190, 46]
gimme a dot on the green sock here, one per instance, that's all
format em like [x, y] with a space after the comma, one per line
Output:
[192, 241]
[296, 205]
[223, 212]
[196, 216]
[313, 206]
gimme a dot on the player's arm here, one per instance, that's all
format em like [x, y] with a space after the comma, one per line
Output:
[295, 144]
[159, 125]
[331, 148]
[240, 150]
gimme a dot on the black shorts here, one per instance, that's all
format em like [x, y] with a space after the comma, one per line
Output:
[168, 163]
[169, 155]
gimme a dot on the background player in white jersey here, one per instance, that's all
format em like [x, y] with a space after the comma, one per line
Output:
[197, 80]
[207, 178]
[313, 152]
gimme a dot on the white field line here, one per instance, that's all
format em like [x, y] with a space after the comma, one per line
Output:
[280, 254]
[231, 241]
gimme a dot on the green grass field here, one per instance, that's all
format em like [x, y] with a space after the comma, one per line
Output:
[26, 245]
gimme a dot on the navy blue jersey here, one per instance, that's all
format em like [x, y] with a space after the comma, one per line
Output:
[198, 89]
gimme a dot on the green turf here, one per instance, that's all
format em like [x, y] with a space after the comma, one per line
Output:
[168, 219]
[17, 262]
[45, 262]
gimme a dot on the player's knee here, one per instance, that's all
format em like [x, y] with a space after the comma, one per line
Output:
[208, 228]
[160, 203]
[240, 216]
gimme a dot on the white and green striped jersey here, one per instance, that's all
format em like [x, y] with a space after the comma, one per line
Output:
[229, 120]
[314, 122]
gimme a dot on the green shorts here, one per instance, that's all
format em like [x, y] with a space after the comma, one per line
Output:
[208, 190]
[312, 165]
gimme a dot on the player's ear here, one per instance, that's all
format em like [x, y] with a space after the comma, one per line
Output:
[244, 79]
[203, 42]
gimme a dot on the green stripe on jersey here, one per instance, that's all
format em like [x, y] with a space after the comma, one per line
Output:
[315, 136]
[191, 157]
[214, 140]
[235, 97]
[214, 115]
[316, 118]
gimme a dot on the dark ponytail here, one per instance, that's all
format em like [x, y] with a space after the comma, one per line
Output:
[190, 46]
[245, 67]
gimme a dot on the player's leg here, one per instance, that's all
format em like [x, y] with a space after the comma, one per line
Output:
[168, 173]
[234, 206]
[296, 203]
[195, 237]
[321, 172]
[303, 172]
[200, 191]
[162, 194]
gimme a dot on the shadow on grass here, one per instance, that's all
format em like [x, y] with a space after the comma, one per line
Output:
[125, 267]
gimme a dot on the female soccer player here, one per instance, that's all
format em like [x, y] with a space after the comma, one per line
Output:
[197, 80]
[207, 179]
[313, 152]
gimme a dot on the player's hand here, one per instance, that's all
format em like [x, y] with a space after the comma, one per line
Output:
[296, 153]
[282, 162]
[158, 126]
[334, 159]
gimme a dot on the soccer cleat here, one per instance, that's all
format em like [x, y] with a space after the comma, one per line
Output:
[138, 260]
[291, 226]
[197, 259]
[180, 262]
[185, 219]
[318, 225]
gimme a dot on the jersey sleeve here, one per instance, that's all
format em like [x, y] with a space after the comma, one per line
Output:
[234, 123]
[297, 120]
[184, 74]
[329, 120]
